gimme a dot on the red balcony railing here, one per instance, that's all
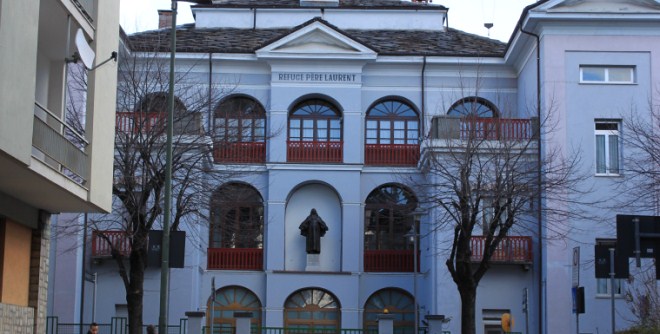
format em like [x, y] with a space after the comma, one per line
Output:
[235, 258]
[496, 128]
[391, 154]
[139, 122]
[101, 247]
[314, 151]
[389, 261]
[239, 152]
[510, 250]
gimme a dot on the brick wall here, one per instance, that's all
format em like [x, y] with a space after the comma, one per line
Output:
[16, 319]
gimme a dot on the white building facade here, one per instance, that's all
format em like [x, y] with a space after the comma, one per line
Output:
[335, 106]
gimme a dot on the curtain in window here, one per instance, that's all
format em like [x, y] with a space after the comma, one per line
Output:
[600, 154]
[613, 141]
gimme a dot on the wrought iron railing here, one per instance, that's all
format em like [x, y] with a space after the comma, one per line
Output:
[391, 154]
[314, 151]
[514, 249]
[118, 239]
[235, 258]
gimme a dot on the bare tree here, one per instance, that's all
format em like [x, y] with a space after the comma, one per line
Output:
[643, 298]
[642, 164]
[485, 176]
[140, 166]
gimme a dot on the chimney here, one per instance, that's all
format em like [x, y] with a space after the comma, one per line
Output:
[164, 18]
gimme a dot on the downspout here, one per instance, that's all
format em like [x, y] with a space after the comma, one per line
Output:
[539, 179]
[423, 105]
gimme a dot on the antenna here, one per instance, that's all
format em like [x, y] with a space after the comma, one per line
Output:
[86, 54]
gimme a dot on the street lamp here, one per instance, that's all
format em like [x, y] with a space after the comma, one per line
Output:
[165, 249]
[413, 237]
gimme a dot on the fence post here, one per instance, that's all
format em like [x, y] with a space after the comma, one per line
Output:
[51, 325]
[243, 322]
[435, 323]
[118, 325]
[385, 324]
[194, 323]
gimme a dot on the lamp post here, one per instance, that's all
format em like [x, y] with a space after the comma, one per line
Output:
[165, 249]
[413, 236]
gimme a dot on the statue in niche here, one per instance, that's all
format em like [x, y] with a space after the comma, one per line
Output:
[313, 228]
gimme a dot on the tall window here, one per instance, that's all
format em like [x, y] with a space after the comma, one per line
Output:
[236, 217]
[398, 303]
[604, 286]
[392, 122]
[607, 148]
[228, 300]
[389, 216]
[240, 119]
[315, 310]
[315, 120]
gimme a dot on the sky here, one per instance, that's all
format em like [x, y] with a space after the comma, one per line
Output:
[465, 15]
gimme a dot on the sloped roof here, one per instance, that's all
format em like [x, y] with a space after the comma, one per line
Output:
[384, 4]
[385, 42]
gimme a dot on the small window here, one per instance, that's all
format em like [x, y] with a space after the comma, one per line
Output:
[607, 148]
[607, 74]
[603, 286]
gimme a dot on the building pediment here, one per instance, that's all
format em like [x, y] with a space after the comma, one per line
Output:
[316, 40]
[601, 6]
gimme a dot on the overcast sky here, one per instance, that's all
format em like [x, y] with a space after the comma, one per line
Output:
[466, 15]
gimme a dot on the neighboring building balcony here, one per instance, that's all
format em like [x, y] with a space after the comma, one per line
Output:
[389, 261]
[128, 122]
[391, 154]
[476, 128]
[512, 250]
[101, 248]
[239, 152]
[314, 151]
[235, 259]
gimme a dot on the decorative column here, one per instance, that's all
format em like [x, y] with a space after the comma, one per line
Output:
[435, 323]
[243, 322]
[385, 324]
[195, 320]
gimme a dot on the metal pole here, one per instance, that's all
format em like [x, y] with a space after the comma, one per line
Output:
[83, 279]
[165, 249]
[612, 286]
[415, 281]
[94, 299]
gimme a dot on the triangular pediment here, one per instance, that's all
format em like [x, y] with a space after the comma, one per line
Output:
[316, 40]
[601, 6]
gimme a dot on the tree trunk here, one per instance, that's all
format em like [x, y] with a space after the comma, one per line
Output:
[468, 294]
[135, 288]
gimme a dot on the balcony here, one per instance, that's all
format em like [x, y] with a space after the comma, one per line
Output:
[154, 123]
[389, 261]
[512, 250]
[239, 152]
[101, 248]
[391, 154]
[235, 259]
[447, 127]
[314, 151]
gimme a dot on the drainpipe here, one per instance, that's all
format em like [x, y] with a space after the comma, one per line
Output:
[423, 106]
[539, 179]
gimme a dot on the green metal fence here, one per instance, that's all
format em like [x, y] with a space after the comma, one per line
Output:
[116, 326]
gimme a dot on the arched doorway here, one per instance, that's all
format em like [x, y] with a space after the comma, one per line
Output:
[313, 309]
[398, 303]
[228, 300]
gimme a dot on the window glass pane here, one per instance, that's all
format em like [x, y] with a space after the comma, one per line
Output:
[600, 154]
[399, 124]
[294, 134]
[308, 134]
[412, 125]
[385, 136]
[593, 74]
[614, 153]
[620, 74]
[372, 125]
[412, 136]
[335, 135]
[372, 134]
[322, 134]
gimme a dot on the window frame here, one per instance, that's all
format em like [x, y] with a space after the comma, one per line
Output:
[314, 112]
[607, 292]
[382, 119]
[608, 135]
[239, 125]
[606, 75]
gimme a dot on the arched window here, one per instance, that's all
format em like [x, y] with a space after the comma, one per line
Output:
[473, 106]
[392, 122]
[315, 120]
[315, 132]
[228, 300]
[149, 115]
[398, 303]
[240, 131]
[237, 213]
[312, 309]
[392, 134]
[389, 215]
